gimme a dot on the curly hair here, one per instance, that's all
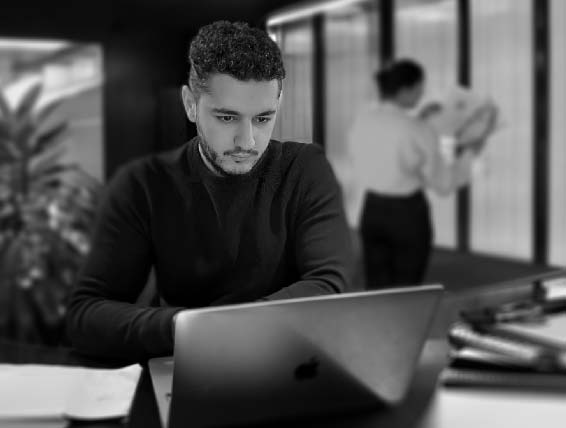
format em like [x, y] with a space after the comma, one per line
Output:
[236, 49]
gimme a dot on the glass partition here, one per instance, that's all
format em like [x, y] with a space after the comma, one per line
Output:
[351, 58]
[557, 191]
[502, 68]
[294, 120]
[427, 32]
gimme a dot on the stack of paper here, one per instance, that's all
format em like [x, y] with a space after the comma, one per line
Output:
[49, 393]
[509, 354]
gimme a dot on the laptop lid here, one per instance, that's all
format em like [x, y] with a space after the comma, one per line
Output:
[252, 363]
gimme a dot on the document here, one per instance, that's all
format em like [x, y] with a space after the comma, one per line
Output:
[549, 333]
[461, 112]
[47, 392]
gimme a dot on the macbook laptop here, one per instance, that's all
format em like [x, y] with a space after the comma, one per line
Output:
[254, 363]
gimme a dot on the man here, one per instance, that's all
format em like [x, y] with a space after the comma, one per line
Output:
[229, 217]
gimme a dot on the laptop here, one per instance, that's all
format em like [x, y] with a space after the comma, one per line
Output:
[275, 361]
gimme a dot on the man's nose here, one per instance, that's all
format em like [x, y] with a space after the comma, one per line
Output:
[245, 137]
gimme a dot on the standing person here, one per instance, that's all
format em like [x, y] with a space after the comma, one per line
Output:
[231, 216]
[396, 157]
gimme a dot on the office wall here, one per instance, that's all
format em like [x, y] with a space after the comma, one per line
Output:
[427, 32]
[137, 69]
[557, 191]
[502, 68]
[294, 120]
[85, 138]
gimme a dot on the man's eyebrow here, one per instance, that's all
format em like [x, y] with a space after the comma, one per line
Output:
[267, 113]
[235, 113]
[225, 111]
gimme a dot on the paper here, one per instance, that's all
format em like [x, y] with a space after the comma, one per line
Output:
[461, 113]
[34, 423]
[551, 331]
[555, 288]
[31, 391]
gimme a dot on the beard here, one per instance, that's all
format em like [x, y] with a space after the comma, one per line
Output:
[212, 156]
[209, 153]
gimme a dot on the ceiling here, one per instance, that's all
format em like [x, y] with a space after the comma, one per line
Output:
[97, 19]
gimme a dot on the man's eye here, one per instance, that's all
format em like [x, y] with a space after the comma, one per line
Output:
[263, 119]
[226, 119]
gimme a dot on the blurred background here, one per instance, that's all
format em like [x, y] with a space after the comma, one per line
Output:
[110, 72]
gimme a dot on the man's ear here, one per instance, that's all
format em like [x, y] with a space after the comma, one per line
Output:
[189, 102]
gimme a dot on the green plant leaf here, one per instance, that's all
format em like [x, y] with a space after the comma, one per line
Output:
[11, 259]
[49, 138]
[24, 136]
[46, 226]
[49, 168]
[5, 129]
[6, 112]
[45, 111]
[28, 102]
[7, 144]
[8, 153]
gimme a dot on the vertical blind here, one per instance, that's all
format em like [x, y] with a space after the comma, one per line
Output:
[502, 67]
[351, 58]
[294, 120]
[557, 229]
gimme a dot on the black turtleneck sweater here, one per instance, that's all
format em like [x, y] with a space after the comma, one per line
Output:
[277, 232]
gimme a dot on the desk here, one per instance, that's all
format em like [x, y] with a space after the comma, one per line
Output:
[426, 405]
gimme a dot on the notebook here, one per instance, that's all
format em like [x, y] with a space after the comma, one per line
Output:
[501, 377]
[275, 361]
[518, 355]
[549, 332]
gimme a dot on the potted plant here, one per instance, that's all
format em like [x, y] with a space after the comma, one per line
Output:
[47, 207]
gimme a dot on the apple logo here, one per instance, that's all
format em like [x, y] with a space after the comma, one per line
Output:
[308, 369]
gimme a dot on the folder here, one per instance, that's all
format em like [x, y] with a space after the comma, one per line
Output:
[509, 355]
[524, 352]
[549, 333]
[455, 377]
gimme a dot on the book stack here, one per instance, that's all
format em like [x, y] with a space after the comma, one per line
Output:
[523, 348]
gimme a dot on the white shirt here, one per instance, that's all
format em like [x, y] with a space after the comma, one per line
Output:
[393, 153]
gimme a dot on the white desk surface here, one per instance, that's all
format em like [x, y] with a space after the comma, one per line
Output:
[477, 407]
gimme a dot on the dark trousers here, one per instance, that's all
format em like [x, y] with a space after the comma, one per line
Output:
[396, 234]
